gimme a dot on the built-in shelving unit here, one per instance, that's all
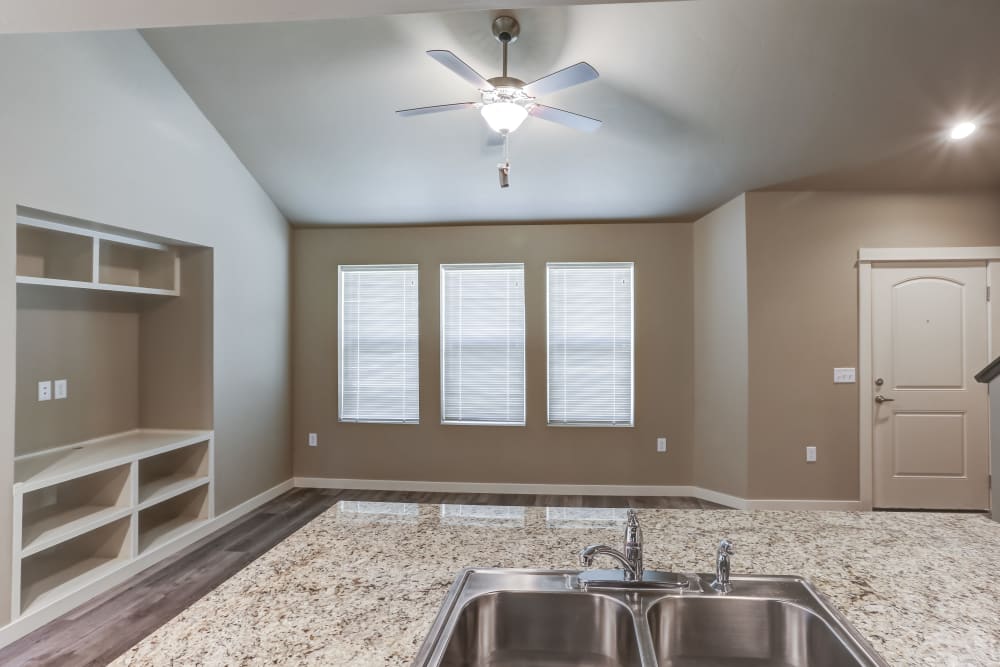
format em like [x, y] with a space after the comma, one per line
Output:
[116, 473]
[58, 254]
[84, 510]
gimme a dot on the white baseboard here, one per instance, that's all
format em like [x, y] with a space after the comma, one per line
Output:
[32, 621]
[577, 490]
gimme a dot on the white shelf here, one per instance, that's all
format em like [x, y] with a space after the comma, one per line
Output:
[83, 511]
[165, 488]
[99, 287]
[63, 255]
[50, 526]
[68, 574]
[167, 532]
[36, 471]
[61, 569]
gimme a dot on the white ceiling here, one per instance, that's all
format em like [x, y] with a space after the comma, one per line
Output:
[701, 100]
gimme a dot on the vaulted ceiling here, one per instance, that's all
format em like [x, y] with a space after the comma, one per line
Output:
[701, 100]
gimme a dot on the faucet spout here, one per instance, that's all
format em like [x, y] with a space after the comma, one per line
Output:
[588, 555]
[630, 560]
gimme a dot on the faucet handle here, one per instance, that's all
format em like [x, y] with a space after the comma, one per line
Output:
[726, 547]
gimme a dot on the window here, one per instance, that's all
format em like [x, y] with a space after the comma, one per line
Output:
[590, 344]
[482, 344]
[379, 370]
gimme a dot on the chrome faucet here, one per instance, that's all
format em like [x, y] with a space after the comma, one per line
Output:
[722, 567]
[630, 560]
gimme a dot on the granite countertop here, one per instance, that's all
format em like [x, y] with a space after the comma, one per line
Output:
[362, 583]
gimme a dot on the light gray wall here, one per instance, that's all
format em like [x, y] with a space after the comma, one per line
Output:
[93, 125]
[721, 349]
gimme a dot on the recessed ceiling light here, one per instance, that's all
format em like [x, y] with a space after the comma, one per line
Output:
[962, 130]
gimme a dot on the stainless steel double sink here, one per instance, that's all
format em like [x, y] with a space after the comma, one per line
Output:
[527, 618]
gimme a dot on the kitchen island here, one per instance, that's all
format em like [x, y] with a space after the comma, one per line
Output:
[362, 583]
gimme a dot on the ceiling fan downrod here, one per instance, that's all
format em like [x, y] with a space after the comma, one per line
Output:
[506, 30]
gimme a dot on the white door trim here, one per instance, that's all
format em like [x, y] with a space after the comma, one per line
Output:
[975, 254]
[866, 396]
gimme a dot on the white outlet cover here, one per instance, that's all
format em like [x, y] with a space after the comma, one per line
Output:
[661, 444]
[843, 376]
[810, 454]
[313, 440]
[45, 390]
[61, 389]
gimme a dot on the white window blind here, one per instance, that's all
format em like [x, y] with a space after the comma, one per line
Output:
[590, 344]
[379, 368]
[482, 343]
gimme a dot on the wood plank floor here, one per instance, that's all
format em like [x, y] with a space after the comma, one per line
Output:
[102, 629]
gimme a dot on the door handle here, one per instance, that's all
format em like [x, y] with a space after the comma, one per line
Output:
[879, 398]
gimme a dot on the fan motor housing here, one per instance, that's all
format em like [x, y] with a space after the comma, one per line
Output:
[506, 82]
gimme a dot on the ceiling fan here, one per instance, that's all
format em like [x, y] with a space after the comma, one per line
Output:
[505, 101]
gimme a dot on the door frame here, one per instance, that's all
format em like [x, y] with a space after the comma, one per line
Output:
[866, 258]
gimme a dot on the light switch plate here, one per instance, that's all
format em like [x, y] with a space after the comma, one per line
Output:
[313, 440]
[61, 389]
[45, 390]
[810, 454]
[843, 376]
[661, 444]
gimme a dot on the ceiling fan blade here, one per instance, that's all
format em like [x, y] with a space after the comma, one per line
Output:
[567, 118]
[459, 67]
[420, 111]
[564, 78]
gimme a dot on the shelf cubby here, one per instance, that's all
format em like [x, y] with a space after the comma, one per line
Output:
[57, 513]
[58, 570]
[162, 522]
[136, 266]
[49, 255]
[165, 475]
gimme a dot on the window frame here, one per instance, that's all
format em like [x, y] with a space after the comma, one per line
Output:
[340, 339]
[548, 348]
[524, 360]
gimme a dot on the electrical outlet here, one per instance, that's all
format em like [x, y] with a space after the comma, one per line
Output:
[45, 390]
[661, 444]
[810, 454]
[61, 389]
[843, 376]
[313, 440]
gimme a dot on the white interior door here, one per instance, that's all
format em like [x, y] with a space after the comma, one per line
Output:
[931, 418]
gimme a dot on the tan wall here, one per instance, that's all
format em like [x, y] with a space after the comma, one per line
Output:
[100, 130]
[803, 307]
[995, 447]
[995, 308]
[175, 351]
[720, 349]
[91, 340]
[535, 453]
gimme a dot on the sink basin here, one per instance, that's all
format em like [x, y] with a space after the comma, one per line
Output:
[548, 618]
[718, 631]
[542, 629]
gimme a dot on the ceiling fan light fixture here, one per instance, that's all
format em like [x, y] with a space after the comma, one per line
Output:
[504, 117]
[962, 130]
